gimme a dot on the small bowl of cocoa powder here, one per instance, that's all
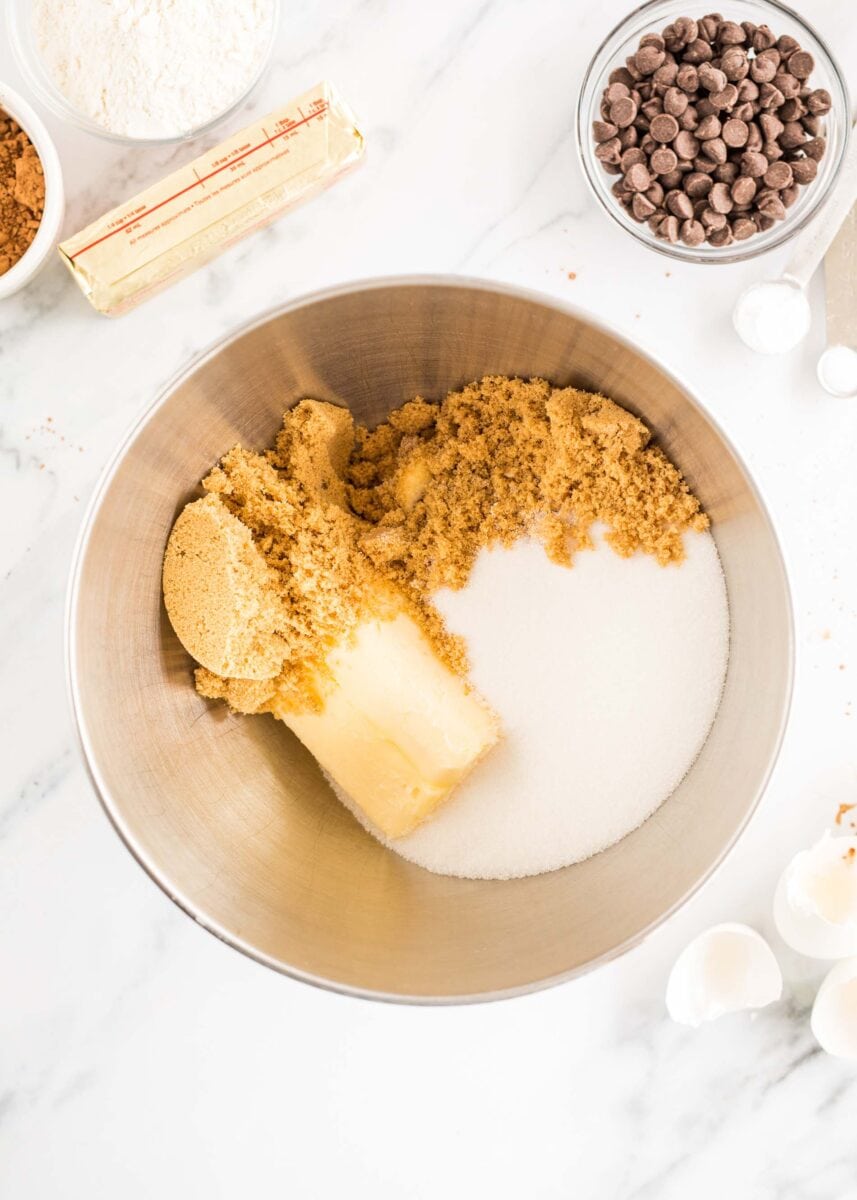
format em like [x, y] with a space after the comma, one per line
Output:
[32, 201]
[713, 136]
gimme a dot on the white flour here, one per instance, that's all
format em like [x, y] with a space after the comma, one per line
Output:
[152, 68]
[606, 677]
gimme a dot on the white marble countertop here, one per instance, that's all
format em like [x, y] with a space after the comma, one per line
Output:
[139, 1057]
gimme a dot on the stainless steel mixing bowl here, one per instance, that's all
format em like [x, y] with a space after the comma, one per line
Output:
[231, 816]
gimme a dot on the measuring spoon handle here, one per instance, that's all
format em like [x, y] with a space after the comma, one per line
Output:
[811, 247]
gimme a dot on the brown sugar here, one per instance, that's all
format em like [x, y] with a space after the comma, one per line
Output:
[504, 458]
[335, 523]
[22, 192]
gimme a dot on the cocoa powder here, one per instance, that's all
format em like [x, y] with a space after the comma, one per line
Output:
[22, 192]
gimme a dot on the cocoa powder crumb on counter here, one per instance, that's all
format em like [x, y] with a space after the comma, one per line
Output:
[22, 192]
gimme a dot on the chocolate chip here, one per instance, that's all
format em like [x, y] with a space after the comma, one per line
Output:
[617, 91]
[730, 33]
[603, 131]
[622, 75]
[771, 126]
[726, 172]
[709, 127]
[787, 45]
[648, 59]
[770, 96]
[743, 189]
[815, 148]
[764, 68]
[819, 102]
[685, 30]
[665, 74]
[772, 151]
[664, 128]
[790, 194]
[703, 166]
[692, 233]
[743, 228]
[720, 237]
[637, 178]
[651, 109]
[804, 170]
[763, 39]
[778, 175]
[792, 110]
[663, 160]
[720, 199]
[772, 206]
[699, 51]
[672, 179]
[726, 98]
[687, 78]
[715, 149]
[734, 64]
[623, 111]
[712, 79]
[655, 194]
[689, 119]
[787, 84]
[754, 164]
[793, 135]
[735, 133]
[697, 184]
[631, 157]
[679, 204]
[675, 101]
[713, 220]
[747, 90]
[669, 229]
[686, 145]
[709, 25]
[628, 137]
[641, 207]
[801, 64]
[755, 139]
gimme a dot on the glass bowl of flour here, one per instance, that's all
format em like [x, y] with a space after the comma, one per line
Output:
[143, 72]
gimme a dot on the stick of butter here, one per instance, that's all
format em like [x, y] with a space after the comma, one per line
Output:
[241, 185]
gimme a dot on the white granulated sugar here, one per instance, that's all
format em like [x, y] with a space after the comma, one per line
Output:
[152, 68]
[606, 678]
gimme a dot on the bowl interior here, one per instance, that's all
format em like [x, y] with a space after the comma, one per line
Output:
[652, 18]
[231, 815]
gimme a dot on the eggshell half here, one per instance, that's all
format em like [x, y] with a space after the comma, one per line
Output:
[815, 905]
[728, 968]
[834, 1014]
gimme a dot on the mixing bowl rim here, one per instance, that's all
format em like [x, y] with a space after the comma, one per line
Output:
[108, 800]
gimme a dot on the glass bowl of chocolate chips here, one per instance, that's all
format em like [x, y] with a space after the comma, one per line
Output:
[713, 136]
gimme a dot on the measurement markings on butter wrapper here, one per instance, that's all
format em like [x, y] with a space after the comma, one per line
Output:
[200, 180]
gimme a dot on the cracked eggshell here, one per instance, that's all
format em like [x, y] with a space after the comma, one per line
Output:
[834, 1014]
[815, 905]
[728, 968]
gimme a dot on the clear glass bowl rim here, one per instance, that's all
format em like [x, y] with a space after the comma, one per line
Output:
[609, 50]
[48, 94]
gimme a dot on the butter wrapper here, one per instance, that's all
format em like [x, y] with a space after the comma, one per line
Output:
[193, 214]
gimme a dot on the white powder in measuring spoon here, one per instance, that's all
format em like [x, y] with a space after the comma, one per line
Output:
[606, 678]
[152, 68]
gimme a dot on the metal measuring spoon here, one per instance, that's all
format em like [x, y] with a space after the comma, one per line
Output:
[837, 367]
[773, 316]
